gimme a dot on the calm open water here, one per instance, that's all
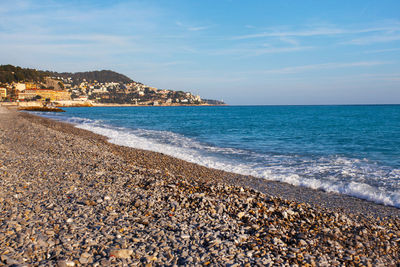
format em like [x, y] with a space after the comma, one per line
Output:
[353, 150]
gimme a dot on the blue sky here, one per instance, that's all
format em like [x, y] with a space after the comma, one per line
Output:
[244, 52]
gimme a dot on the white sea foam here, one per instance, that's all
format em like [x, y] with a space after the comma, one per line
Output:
[354, 177]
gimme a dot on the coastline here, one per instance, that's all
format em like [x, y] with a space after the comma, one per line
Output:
[72, 104]
[134, 105]
[161, 162]
[124, 197]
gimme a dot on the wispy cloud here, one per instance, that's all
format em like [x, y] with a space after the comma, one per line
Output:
[332, 65]
[302, 33]
[159, 64]
[192, 28]
[382, 50]
[57, 41]
[248, 51]
[199, 28]
[319, 31]
[11, 5]
[289, 40]
[374, 39]
[387, 77]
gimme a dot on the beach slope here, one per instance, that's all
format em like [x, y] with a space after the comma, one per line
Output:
[68, 197]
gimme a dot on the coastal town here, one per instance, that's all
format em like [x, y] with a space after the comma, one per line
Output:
[67, 90]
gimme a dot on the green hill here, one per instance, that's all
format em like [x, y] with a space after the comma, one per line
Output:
[102, 76]
[10, 73]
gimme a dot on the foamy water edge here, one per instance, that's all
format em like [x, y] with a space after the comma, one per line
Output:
[125, 137]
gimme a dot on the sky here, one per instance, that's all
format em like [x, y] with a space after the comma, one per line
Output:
[255, 52]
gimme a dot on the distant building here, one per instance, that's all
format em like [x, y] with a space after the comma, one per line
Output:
[31, 86]
[100, 91]
[82, 98]
[162, 92]
[3, 93]
[19, 86]
[151, 89]
[53, 95]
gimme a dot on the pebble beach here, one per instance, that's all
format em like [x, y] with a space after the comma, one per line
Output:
[70, 198]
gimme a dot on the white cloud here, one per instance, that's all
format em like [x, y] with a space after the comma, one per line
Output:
[374, 39]
[320, 31]
[382, 50]
[192, 28]
[199, 28]
[60, 40]
[248, 51]
[302, 33]
[289, 40]
[387, 77]
[333, 65]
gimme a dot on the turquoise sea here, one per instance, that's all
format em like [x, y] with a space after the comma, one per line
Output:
[353, 150]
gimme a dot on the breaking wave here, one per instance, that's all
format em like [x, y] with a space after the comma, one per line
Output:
[359, 178]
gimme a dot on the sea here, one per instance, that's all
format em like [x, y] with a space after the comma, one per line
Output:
[351, 150]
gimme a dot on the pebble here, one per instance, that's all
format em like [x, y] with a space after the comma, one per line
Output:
[83, 260]
[241, 214]
[121, 253]
[82, 201]
[64, 263]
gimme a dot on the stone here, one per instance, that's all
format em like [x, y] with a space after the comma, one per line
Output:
[121, 253]
[241, 214]
[65, 263]
[83, 260]
[302, 242]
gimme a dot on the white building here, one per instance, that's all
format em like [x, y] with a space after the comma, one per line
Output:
[20, 86]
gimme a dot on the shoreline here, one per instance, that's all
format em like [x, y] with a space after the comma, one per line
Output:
[71, 198]
[172, 105]
[159, 161]
[90, 104]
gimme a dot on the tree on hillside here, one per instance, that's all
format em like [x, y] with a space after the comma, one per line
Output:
[9, 74]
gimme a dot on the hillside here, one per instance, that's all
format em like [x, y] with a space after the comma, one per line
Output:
[102, 76]
[10, 73]
[103, 86]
